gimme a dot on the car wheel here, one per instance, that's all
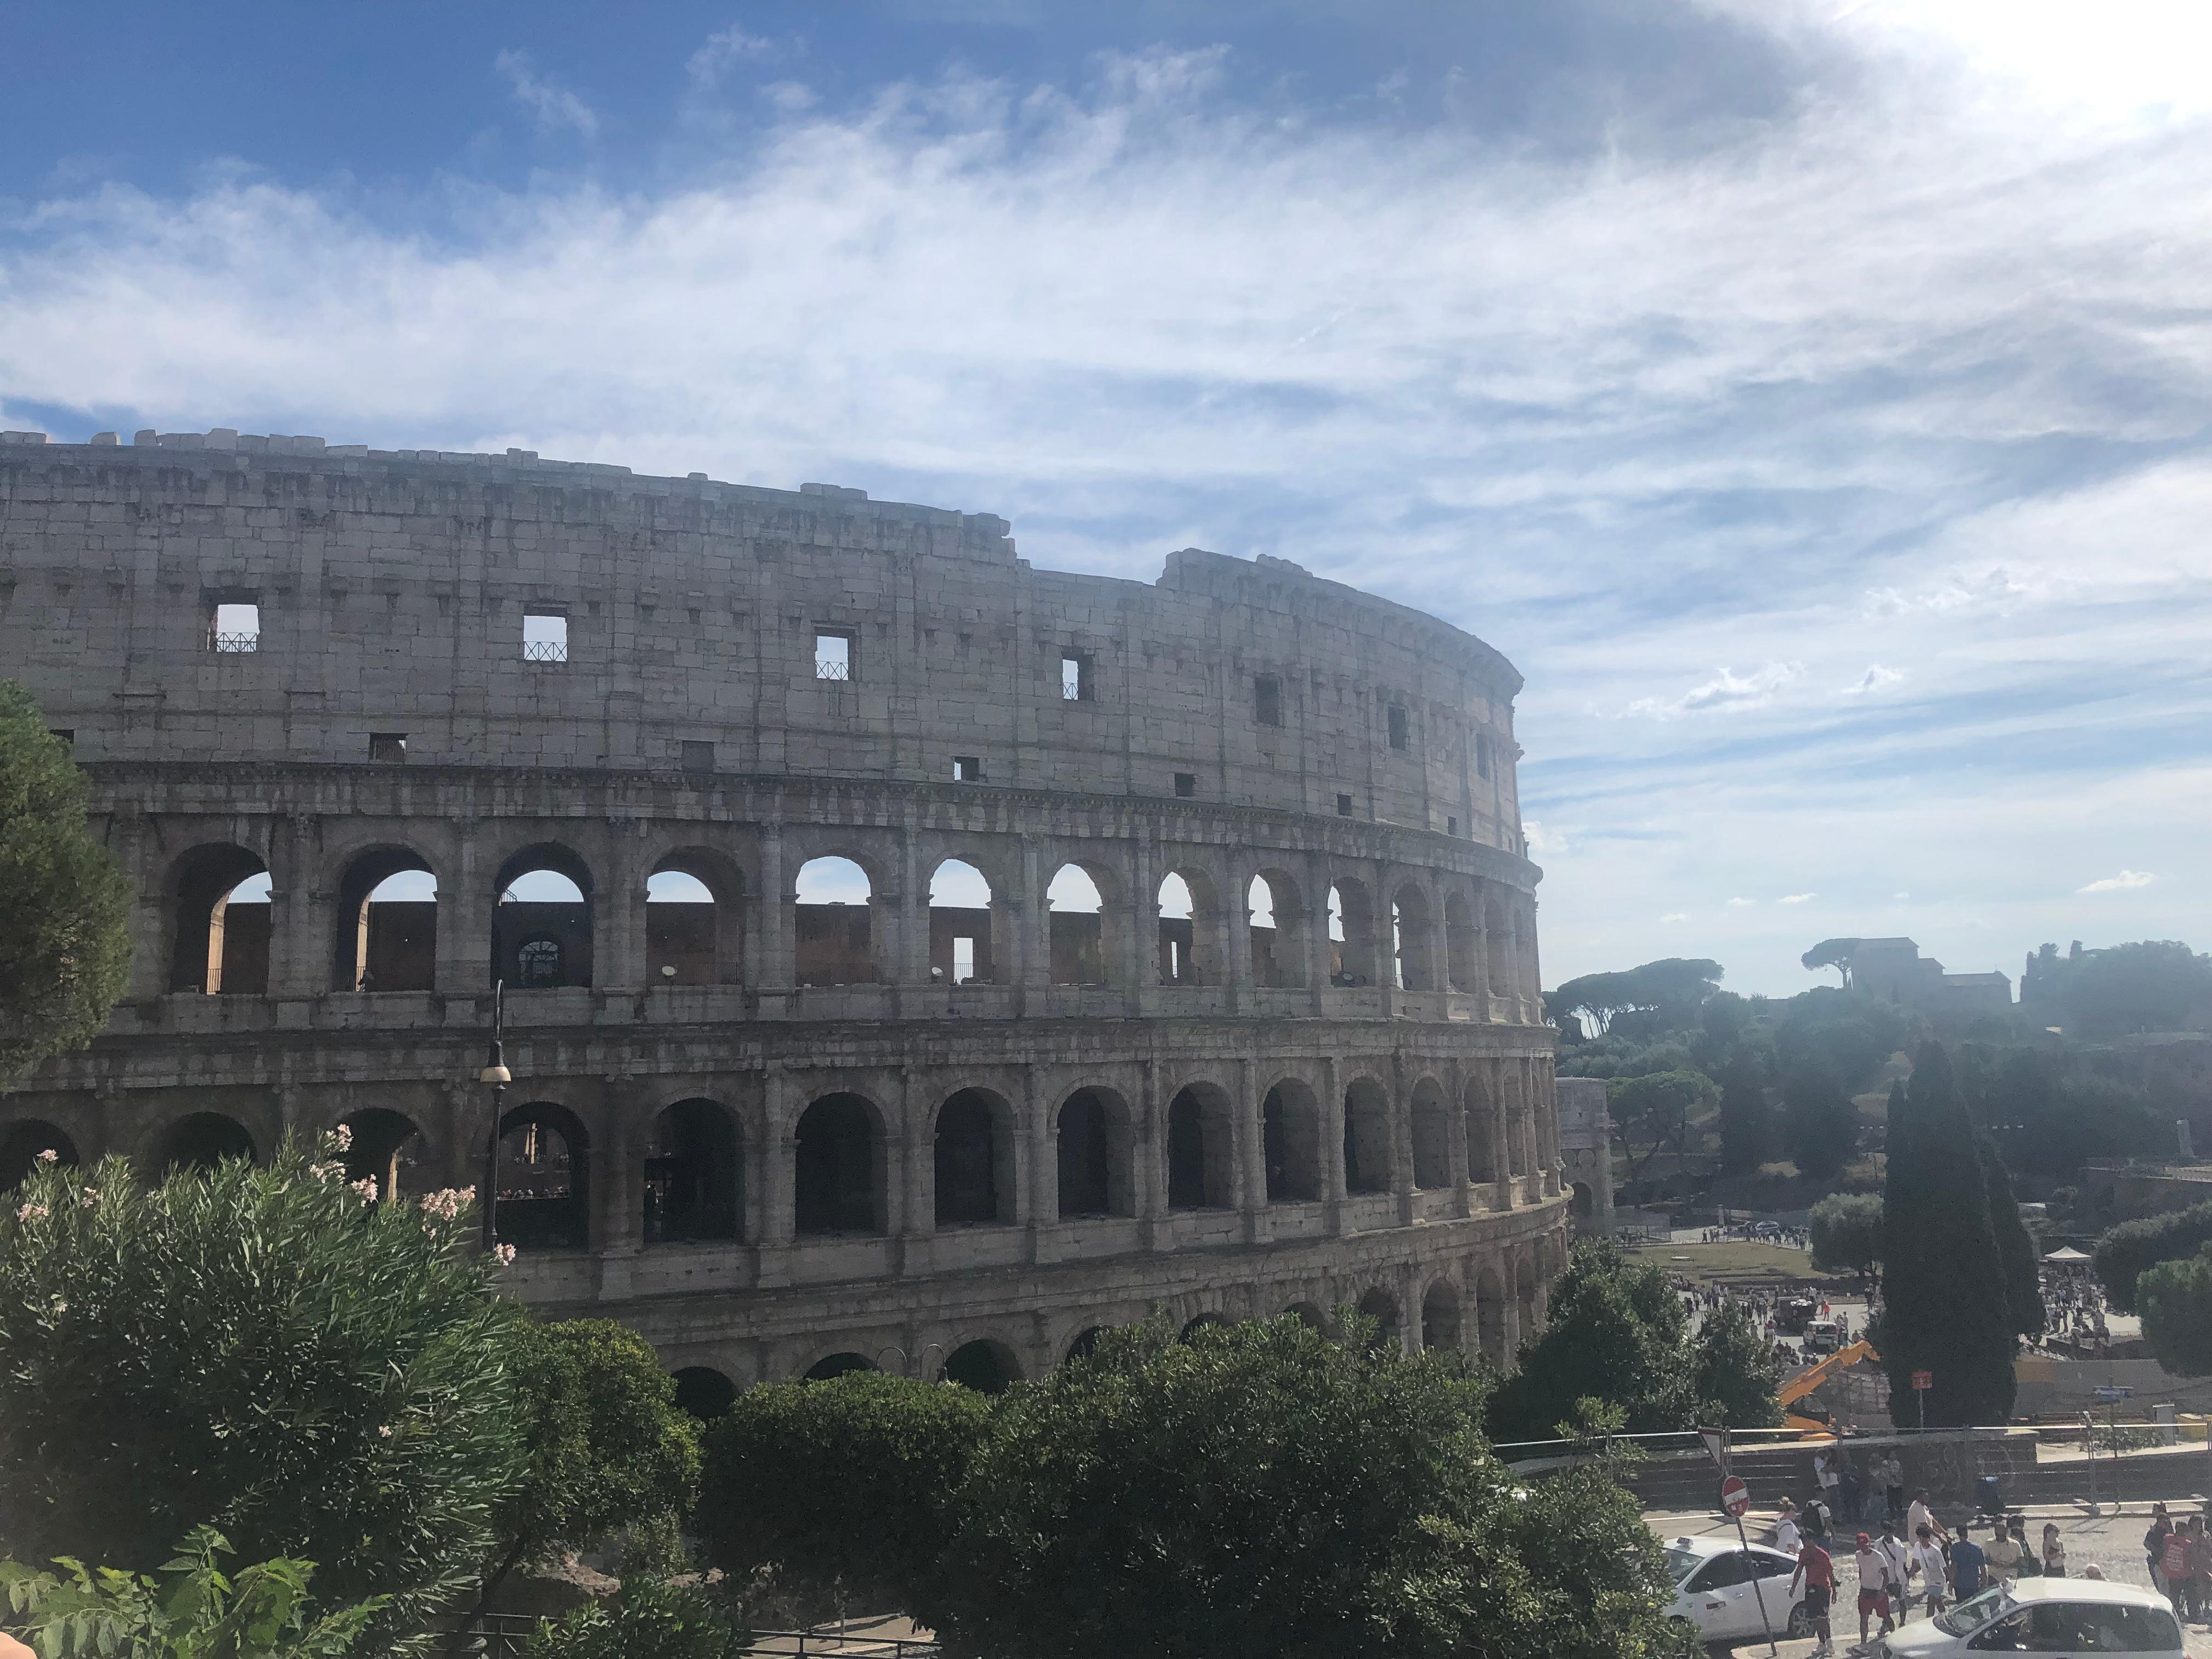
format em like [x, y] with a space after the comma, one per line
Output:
[1801, 1623]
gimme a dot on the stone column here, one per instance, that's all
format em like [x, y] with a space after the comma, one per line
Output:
[1040, 1203]
[1236, 976]
[1401, 1141]
[1501, 1141]
[1455, 1151]
[619, 960]
[779, 894]
[1331, 1112]
[1252, 1160]
[779, 1167]
[1030, 923]
[466, 900]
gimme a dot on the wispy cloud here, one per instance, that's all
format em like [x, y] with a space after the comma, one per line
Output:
[2126, 879]
[556, 109]
[1675, 915]
[1796, 898]
[725, 50]
[1876, 679]
[1741, 904]
[1725, 690]
[1543, 842]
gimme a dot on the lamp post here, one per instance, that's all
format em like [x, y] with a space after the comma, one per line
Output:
[496, 1073]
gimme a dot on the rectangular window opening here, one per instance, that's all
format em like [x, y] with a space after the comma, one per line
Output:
[1481, 756]
[1451, 826]
[1077, 679]
[1186, 784]
[235, 626]
[67, 736]
[967, 769]
[387, 746]
[544, 636]
[1398, 726]
[1267, 700]
[1344, 806]
[698, 757]
[963, 961]
[834, 649]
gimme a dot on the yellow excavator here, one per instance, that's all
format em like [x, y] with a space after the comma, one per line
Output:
[1811, 1378]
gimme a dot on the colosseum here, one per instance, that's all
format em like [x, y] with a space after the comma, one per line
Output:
[911, 959]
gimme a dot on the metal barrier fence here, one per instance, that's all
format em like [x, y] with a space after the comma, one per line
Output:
[502, 1635]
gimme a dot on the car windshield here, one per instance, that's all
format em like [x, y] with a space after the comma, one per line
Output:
[1972, 1614]
[1682, 1563]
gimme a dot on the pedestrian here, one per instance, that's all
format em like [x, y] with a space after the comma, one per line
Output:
[2154, 1546]
[1786, 1536]
[1849, 1489]
[2200, 1568]
[2031, 1564]
[1934, 1571]
[1819, 1573]
[2054, 1552]
[1893, 1483]
[2002, 1554]
[1919, 1515]
[2173, 1563]
[1896, 1570]
[1873, 1591]
[1816, 1518]
[1966, 1561]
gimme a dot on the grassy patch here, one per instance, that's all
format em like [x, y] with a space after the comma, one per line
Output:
[1732, 1261]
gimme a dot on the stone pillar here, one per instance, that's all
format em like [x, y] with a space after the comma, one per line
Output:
[1401, 1141]
[1031, 924]
[619, 1172]
[1252, 1159]
[1501, 1141]
[1039, 1204]
[1237, 976]
[1455, 1153]
[1144, 912]
[779, 894]
[1331, 1106]
[618, 954]
[779, 1168]
[466, 900]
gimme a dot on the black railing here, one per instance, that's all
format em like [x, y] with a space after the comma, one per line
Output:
[829, 668]
[230, 645]
[503, 1636]
[545, 651]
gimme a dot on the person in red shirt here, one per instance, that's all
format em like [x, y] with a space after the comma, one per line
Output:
[1819, 1573]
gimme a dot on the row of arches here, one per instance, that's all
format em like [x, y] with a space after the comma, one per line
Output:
[1419, 933]
[707, 1171]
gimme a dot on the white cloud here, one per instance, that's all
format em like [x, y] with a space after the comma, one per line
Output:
[2126, 879]
[1796, 898]
[555, 107]
[1675, 915]
[1725, 690]
[1542, 843]
[1876, 679]
[1741, 904]
[724, 50]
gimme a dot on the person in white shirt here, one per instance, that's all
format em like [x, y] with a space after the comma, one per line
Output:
[1874, 1593]
[1896, 1569]
[1934, 1571]
[1786, 1536]
[1918, 1516]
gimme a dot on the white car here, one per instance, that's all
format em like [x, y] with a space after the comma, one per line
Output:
[1718, 1586]
[2075, 1616]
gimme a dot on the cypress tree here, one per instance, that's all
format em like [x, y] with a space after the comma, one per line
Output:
[2016, 1250]
[1747, 1121]
[1946, 1308]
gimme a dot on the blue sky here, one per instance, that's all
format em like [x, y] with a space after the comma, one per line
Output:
[1809, 396]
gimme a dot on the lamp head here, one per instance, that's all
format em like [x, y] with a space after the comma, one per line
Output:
[495, 1067]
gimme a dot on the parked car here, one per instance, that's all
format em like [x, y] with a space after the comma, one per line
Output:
[1822, 1336]
[2045, 1616]
[1718, 1585]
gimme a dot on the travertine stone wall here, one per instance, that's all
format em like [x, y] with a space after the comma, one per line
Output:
[688, 728]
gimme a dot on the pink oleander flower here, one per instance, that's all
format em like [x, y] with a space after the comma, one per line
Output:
[60, 1306]
[504, 1253]
[327, 1171]
[91, 1198]
[384, 1430]
[49, 1155]
[342, 1138]
[32, 1213]
[366, 1188]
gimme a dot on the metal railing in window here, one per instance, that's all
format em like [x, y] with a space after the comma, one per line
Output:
[832, 668]
[231, 645]
[545, 651]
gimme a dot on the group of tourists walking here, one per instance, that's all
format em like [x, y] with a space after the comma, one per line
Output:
[2179, 1556]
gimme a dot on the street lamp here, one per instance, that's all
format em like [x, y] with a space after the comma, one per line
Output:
[496, 1073]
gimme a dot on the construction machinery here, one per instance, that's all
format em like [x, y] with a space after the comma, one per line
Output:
[1806, 1380]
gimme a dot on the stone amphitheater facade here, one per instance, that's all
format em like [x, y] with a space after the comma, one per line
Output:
[775, 1134]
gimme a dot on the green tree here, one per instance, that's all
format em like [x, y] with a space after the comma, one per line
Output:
[1845, 1035]
[2123, 1255]
[850, 1480]
[1734, 1371]
[1834, 953]
[2176, 1298]
[2016, 1254]
[1846, 1228]
[1259, 1489]
[647, 1619]
[1820, 1125]
[262, 1350]
[191, 1609]
[608, 1445]
[1946, 1306]
[1747, 1121]
[2152, 985]
[64, 901]
[1655, 1110]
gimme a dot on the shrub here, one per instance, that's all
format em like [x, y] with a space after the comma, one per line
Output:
[650, 1618]
[2123, 1254]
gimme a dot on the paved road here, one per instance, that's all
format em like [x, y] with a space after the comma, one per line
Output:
[2114, 1542]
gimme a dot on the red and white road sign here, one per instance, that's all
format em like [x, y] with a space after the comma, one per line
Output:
[1735, 1497]
[1924, 1379]
[1716, 1444]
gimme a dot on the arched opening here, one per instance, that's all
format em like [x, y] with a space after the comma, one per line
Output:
[1440, 1330]
[975, 1154]
[544, 1176]
[1308, 1316]
[1289, 1140]
[1278, 955]
[1481, 1143]
[1499, 967]
[201, 1141]
[1366, 1138]
[222, 908]
[1580, 1203]
[1410, 939]
[694, 921]
[1201, 1322]
[387, 924]
[1489, 1316]
[837, 1364]
[22, 1148]
[1078, 922]
[1431, 1136]
[833, 932]
[384, 1147]
[1524, 1295]
[1379, 1305]
[1462, 945]
[1351, 935]
[692, 1175]
[704, 1393]
[1083, 1346]
[839, 1167]
[986, 1367]
[1199, 1162]
[960, 925]
[541, 927]
[1094, 1146]
[1179, 918]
